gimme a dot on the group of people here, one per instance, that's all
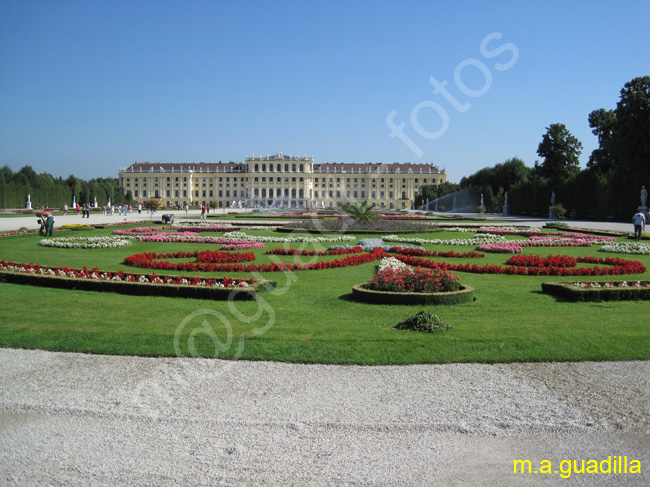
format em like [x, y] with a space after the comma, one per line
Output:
[125, 209]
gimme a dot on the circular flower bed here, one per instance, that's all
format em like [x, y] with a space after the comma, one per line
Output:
[85, 242]
[398, 283]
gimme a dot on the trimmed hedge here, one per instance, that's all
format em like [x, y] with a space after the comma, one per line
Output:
[140, 289]
[576, 293]
[464, 295]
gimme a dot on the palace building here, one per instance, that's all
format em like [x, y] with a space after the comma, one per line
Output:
[278, 180]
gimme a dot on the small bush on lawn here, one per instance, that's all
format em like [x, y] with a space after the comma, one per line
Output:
[424, 321]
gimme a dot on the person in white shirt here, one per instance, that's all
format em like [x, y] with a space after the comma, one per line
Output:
[639, 225]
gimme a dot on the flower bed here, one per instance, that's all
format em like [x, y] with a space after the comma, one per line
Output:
[526, 265]
[398, 283]
[413, 280]
[149, 260]
[128, 283]
[243, 246]
[143, 231]
[295, 239]
[599, 291]
[476, 240]
[435, 253]
[352, 250]
[85, 242]
[627, 248]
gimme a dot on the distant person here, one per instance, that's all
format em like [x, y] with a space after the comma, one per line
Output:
[139, 209]
[639, 225]
[202, 212]
[65, 209]
[187, 207]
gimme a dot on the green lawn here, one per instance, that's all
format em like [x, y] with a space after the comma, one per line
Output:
[311, 318]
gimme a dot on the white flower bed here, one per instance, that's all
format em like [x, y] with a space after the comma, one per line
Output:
[86, 242]
[627, 248]
[299, 238]
[483, 227]
[479, 239]
[393, 263]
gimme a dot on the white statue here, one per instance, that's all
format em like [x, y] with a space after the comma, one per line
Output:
[644, 197]
[553, 198]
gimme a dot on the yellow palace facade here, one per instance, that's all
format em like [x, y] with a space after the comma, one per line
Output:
[278, 180]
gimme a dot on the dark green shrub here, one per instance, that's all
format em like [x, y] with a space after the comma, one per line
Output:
[424, 321]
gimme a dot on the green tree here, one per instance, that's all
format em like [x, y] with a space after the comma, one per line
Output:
[360, 211]
[151, 204]
[624, 144]
[26, 176]
[561, 151]
[602, 124]
[6, 174]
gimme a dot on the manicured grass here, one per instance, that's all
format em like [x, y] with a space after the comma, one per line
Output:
[312, 318]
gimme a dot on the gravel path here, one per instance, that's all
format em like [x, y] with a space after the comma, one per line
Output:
[74, 419]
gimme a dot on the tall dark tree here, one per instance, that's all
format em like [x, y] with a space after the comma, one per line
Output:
[623, 155]
[561, 152]
[26, 176]
[631, 132]
[602, 124]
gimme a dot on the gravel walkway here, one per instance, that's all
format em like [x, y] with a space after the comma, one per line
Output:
[74, 419]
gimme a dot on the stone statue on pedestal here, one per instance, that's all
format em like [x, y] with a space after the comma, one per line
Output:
[644, 197]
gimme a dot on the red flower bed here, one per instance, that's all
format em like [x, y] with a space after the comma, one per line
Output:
[619, 266]
[353, 250]
[434, 253]
[148, 260]
[537, 261]
[418, 280]
[212, 256]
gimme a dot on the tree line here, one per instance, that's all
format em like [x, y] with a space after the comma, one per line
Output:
[46, 190]
[608, 187]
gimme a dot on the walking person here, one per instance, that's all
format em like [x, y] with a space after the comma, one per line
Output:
[639, 225]
[203, 212]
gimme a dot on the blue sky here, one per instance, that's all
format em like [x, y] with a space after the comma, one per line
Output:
[87, 87]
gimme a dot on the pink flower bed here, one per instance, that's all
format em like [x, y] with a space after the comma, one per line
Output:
[501, 247]
[191, 238]
[243, 246]
[545, 235]
[140, 231]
